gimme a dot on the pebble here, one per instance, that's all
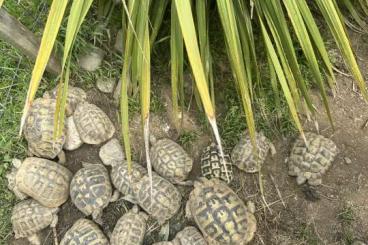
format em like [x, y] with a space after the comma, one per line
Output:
[72, 139]
[106, 85]
[347, 160]
[92, 60]
[111, 152]
[119, 41]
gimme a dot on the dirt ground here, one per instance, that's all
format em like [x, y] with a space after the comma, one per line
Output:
[339, 216]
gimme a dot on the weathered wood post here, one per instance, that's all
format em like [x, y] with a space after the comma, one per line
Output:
[16, 34]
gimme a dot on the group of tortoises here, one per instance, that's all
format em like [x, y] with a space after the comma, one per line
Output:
[220, 215]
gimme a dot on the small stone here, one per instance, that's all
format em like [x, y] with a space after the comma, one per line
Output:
[347, 160]
[111, 152]
[119, 42]
[92, 60]
[72, 139]
[106, 85]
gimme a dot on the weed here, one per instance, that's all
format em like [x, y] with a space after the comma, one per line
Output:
[306, 233]
[346, 216]
[187, 138]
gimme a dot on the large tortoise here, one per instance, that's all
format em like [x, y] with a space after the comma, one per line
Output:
[130, 228]
[93, 125]
[248, 159]
[170, 160]
[165, 200]
[220, 214]
[29, 217]
[42, 179]
[91, 191]
[84, 232]
[214, 166]
[309, 160]
[39, 130]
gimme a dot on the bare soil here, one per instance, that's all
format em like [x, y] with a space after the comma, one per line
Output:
[285, 215]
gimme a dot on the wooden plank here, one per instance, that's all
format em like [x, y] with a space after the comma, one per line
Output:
[16, 34]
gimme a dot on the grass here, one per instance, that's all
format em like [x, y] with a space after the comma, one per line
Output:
[307, 234]
[346, 217]
[187, 138]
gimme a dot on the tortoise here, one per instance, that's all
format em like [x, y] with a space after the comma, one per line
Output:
[93, 125]
[243, 156]
[220, 214]
[72, 138]
[165, 200]
[45, 181]
[111, 152]
[39, 131]
[123, 180]
[130, 228]
[214, 166]
[83, 232]
[190, 236]
[91, 191]
[29, 217]
[75, 96]
[308, 162]
[170, 160]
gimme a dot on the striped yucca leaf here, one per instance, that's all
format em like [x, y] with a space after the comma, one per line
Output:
[355, 14]
[78, 12]
[53, 23]
[332, 16]
[1, 3]
[157, 14]
[177, 64]
[235, 53]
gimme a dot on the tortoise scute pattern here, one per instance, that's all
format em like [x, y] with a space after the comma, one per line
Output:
[214, 166]
[190, 236]
[84, 232]
[166, 199]
[44, 180]
[310, 163]
[170, 160]
[243, 156]
[90, 188]
[93, 124]
[220, 214]
[130, 228]
[121, 178]
[75, 96]
[29, 217]
[39, 129]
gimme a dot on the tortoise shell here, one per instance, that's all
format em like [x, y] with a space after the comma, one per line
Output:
[220, 214]
[130, 228]
[123, 180]
[310, 161]
[90, 189]
[93, 125]
[190, 236]
[45, 181]
[84, 232]
[165, 201]
[75, 96]
[29, 217]
[39, 129]
[243, 156]
[170, 160]
[214, 166]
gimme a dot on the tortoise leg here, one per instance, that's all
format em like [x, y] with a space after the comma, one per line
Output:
[34, 239]
[97, 216]
[53, 226]
[62, 157]
[165, 231]
[115, 196]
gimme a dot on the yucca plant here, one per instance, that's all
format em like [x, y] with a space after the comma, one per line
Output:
[277, 25]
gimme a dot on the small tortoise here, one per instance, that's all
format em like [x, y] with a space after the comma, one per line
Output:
[130, 228]
[91, 190]
[75, 96]
[84, 232]
[45, 181]
[214, 166]
[123, 180]
[220, 214]
[243, 156]
[170, 160]
[39, 131]
[309, 162]
[29, 217]
[93, 125]
[165, 200]
[190, 236]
